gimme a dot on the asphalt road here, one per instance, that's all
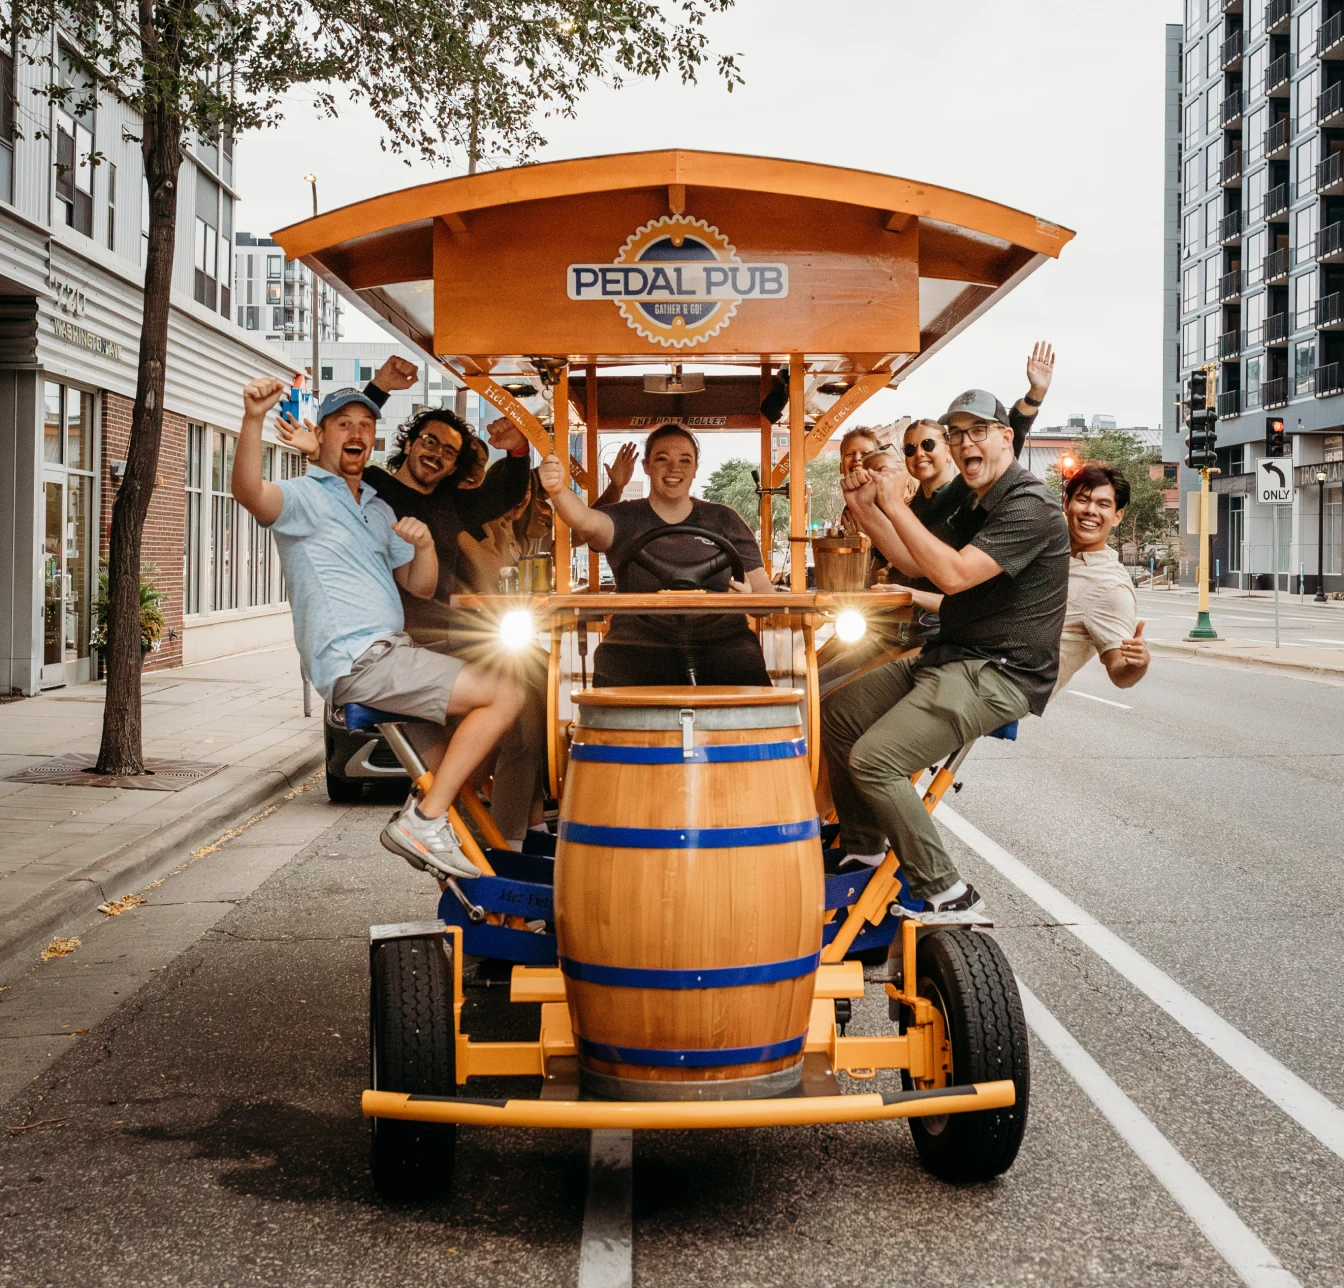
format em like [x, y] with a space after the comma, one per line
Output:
[1303, 623]
[1187, 1094]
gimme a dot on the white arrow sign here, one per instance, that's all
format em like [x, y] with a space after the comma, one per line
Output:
[1274, 480]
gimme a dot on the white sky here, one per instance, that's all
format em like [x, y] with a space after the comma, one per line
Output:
[1052, 106]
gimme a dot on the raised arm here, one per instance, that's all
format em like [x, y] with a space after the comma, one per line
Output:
[262, 500]
[590, 527]
[1040, 372]
[619, 474]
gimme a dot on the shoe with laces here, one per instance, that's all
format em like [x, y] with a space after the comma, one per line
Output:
[967, 909]
[428, 844]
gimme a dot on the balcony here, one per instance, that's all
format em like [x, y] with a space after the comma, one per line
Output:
[1231, 56]
[1276, 201]
[1327, 380]
[1229, 227]
[1330, 39]
[1231, 6]
[1330, 244]
[1276, 16]
[1276, 265]
[1229, 404]
[1229, 345]
[1274, 393]
[1229, 286]
[1330, 312]
[1233, 105]
[1277, 138]
[1330, 105]
[1277, 75]
[1276, 329]
[1330, 174]
[1231, 171]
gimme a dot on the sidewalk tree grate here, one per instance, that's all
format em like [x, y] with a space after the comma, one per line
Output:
[76, 770]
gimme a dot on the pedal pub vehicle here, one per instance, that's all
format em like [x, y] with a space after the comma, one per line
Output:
[692, 947]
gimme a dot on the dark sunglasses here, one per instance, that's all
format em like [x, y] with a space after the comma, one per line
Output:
[924, 444]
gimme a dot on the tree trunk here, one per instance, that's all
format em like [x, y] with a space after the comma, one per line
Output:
[121, 751]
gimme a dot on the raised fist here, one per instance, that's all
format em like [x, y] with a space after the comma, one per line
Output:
[414, 532]
[552, 474]
[262, 394]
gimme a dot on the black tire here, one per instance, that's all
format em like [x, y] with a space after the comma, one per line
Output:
[344, 791]
[966, 975]
[411, 1049]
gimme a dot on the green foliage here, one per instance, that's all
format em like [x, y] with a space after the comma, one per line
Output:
[151, 611]
[448, 79]
[1147, 523]
[732, 485]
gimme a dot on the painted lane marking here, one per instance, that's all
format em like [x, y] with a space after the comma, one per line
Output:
[1092, 697]
[1231, 1238]
[1312, 640]
[606, 1252]
[1275, 1081]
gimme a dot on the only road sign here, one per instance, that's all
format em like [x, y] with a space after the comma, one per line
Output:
[1274, 480]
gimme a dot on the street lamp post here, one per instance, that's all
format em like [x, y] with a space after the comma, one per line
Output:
[1320, 536]
[312, 304]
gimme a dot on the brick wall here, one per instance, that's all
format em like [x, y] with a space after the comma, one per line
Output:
[165, 535]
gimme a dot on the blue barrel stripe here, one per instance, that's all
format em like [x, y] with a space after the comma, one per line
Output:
[722, 754]
[714, 1057]
[690, 838]
[706, 977]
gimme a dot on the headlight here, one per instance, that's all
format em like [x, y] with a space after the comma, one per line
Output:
[516, 629]
[851, 625]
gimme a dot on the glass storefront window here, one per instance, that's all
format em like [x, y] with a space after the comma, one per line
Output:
[52, 441]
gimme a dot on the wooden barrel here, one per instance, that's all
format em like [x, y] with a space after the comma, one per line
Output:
[688, 892]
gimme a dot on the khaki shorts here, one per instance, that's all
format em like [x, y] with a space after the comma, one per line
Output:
[394, 675]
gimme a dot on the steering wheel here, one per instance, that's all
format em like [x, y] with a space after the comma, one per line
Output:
[683, 576]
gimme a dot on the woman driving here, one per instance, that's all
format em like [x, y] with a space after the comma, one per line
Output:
[696, 648]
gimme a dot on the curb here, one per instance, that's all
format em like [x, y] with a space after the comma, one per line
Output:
[68, 904]
[1249, 662]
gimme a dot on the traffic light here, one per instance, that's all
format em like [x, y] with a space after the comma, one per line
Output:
[1276, 442]
[1202, 420]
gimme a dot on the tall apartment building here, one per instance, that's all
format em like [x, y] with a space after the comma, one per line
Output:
[274, 296]
[1255, 256]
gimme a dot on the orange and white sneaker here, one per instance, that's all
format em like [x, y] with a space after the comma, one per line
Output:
[429, 844]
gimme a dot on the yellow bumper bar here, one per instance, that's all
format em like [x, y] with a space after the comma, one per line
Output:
[800, 1111]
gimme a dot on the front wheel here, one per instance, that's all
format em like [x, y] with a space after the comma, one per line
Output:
[412, 1049]
[967, 978]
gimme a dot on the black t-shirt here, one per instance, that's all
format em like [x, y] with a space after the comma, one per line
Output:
[948, 513]
[1013, 620]
[633, 518]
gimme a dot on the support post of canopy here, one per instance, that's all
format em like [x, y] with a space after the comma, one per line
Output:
[767, 510]
[560, 446]
[797, 475]
[591, 465]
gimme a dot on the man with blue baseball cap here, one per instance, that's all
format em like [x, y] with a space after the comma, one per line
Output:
[344, 553]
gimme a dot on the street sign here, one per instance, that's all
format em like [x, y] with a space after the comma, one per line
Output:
[1274, 480]
[1192, 515]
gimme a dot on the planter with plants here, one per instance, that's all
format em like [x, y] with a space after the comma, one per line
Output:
[151, 613]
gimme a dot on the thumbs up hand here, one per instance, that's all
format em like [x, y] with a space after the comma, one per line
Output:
[1135, 650]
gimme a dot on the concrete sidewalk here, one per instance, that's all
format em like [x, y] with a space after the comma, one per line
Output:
[67, 849]
[1324, 663]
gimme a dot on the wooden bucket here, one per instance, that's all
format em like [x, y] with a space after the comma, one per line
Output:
[688, 892]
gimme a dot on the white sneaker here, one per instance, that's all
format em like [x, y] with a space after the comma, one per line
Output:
[428, 844]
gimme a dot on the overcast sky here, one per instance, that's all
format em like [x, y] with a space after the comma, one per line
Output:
[1052, 106]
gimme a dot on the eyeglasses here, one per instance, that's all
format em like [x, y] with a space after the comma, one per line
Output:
[976, 434]
[926, 445]
[432, 444]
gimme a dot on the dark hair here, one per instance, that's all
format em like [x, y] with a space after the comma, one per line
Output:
[860, 431]
[471, 451]
[1095, 474]
[666, 431]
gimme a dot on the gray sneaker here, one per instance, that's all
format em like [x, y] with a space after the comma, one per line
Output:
[427, 844]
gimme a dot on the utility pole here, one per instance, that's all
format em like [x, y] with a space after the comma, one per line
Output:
[1203, 418]
[312, 309]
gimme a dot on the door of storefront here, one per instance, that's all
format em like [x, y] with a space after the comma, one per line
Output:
[68, 537]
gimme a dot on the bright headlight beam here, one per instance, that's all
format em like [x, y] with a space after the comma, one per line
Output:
[851, 625]
[516, 629]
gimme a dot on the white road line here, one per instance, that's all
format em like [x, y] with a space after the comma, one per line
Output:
[605, 1255]
[1312, 640]
[1279, 1084]
[1234, 1241]
[1078, 693]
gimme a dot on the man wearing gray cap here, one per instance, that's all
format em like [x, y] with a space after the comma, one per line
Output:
[994, 659]
[344, 553]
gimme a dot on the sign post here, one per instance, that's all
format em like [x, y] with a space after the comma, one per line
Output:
[1274, 487]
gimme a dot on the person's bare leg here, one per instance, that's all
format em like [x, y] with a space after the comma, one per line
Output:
[488, 704]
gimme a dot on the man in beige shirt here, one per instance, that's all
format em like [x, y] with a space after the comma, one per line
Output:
[1102, 614]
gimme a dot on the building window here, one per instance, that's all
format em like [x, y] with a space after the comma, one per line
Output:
[277, 319]
[1304, 234]
[1334, 513]
[1306, 167]
[1211, 53]
[1304, 363]
[1255, 71]
[253, 322]
[1255, 194]
[223, 526]
[1236, 530]
[366, 373]
[191, 549]
[74, 173]
[111, 205]
[1192, 65]
[1304, 288]
[1211, 224]
[1213, 110]
[1255, 22]
[1192, 121]
[1192, 237]
[6, 127]
[1211, 321]
[327, 374]
[1192, 172]
[274, 266]
[1213, 157]
[225, 253]
[261, 562]
[1307, 23]
[207, 240]
[1190, 340]
[1254, 138]
[1306, 90]
[1255, 319]
[1253, 261]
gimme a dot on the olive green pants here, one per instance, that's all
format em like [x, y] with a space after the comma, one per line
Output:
[878, 730]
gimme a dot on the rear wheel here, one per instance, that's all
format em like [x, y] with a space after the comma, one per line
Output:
[411, 1047]
[967, 978]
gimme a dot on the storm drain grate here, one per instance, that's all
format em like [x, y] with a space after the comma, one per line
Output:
[76, 770]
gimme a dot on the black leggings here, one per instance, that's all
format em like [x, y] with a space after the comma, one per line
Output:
[735, 659]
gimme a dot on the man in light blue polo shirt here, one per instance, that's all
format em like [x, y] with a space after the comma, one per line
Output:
[344, 554]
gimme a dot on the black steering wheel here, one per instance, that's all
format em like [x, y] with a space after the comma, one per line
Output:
[682, 576]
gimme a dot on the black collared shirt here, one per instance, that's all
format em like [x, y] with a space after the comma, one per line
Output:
[1013, 620]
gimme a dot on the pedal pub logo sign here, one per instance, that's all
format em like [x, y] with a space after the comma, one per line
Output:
[678, 281]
